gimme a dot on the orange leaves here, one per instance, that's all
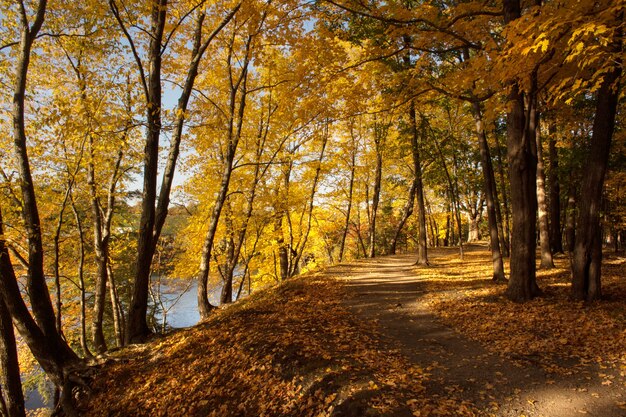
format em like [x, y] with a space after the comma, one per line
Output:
[550, 329]
[291, 350]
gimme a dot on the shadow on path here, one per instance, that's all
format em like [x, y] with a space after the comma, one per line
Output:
[388, 291]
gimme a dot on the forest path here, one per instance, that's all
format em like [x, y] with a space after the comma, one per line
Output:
[389, 292]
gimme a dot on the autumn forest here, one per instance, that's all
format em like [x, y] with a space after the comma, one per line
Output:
[236, 150]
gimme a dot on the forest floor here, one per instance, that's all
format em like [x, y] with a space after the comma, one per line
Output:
[382, 337]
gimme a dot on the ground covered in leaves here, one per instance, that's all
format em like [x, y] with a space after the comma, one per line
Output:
[552, 330]
[382, 337]
[293, 350]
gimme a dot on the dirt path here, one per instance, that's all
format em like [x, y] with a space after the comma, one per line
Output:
[389, 292]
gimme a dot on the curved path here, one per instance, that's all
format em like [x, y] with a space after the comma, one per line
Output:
[388, 291]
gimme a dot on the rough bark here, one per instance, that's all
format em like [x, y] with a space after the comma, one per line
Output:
[587, 255]
[542, 209]
[489, 184]
[522, 176]
[11, 393]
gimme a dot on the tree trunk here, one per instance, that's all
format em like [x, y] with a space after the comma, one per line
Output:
[422, 246]
[11, 393]
[40, 334]
[237, 106]
[489, 184]
[554, 190]
[376, 193]
[504, 222]
[344, 234]
[118, 314]
[523, 178]
[300, 247]
[587, 256]
[81, 280]
[138, 330]
[542, 207]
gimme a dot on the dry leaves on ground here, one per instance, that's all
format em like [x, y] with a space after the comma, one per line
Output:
[551, 330]
[292, 350]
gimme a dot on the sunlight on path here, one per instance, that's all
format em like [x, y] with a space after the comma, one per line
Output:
[389, 292]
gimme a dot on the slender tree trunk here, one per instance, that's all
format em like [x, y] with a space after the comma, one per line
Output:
[504, 223]
[81, 279]
[523, 178]
[489, 183]
[406, 213]
[544, 233]
[346, 227]
[376, 193]
[587, 256]
[570, 215]
[237, 106]
[11, 393]
[118, 314]
[152, 220]
[301, 246]
[554, 190]
[138, 329]
[422, 246]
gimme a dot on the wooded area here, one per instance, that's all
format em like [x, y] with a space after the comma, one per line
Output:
[274, 137]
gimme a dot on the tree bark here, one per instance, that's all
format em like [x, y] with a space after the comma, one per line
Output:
[378, 170]
[504, 222]
[587, 256]
[81, 279]
[138, 330]
[422, 246]
[11, 393]
[40, 334]
[522, 176]
[346, 227]
[554, 193]
[544, 232]
[489, 184]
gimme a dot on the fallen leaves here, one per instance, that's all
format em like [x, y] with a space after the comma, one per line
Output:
[291, 350]
[551, 330]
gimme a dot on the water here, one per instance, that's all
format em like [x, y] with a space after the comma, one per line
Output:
[179, 301]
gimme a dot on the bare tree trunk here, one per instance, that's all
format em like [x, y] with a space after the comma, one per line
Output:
[489, 184]
[521, 142]
[344, 234]
[81, 279]
[118, 314]
[376, 192]
[504, 222]
[587, 256]
[544, 233]
[12, 404]
[554, 190]
[422, 246]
